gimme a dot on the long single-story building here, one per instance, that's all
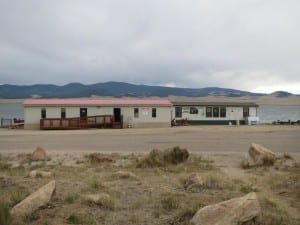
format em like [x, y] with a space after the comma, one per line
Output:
[215, 112]
[96, 112]
[78, 113]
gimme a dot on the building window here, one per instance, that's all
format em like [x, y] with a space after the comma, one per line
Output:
[136, 112]
[153, 112]
[245, 111]
[83, 112]
[178, 112]
[208, 111]
[216, 111]
[193, 110]
[63, 113]
[43, 113]
[222, 111]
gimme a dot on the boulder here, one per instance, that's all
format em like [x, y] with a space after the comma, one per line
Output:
[261, 155]
[36, 174]
[39, 154]
[236, 211]
[37, 199]
[193, 180]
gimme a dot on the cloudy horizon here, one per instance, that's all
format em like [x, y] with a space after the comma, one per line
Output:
[250, 45]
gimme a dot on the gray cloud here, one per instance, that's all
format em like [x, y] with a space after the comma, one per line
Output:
[249, 45]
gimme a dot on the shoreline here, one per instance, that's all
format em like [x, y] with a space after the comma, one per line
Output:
[260, 100]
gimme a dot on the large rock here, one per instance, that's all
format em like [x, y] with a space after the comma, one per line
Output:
[37, 174]
[237, 211]
[261, 155]
[37, 199]
[39, 154]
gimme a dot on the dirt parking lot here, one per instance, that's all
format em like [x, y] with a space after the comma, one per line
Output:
[198, 139]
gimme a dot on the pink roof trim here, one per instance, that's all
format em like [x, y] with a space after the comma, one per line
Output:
[96, 102]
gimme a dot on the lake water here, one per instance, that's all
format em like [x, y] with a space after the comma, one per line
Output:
[266, 113]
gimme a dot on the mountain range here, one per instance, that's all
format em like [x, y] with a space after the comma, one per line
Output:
[117, 89]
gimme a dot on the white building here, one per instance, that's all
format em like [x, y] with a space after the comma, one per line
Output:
[215, 112]
[138, 113]
[96, 112]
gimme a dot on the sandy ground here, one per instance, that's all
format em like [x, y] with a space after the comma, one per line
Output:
[197, 139]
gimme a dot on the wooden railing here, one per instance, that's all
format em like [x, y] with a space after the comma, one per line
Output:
[100, 121]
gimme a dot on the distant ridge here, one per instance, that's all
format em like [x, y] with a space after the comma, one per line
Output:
[117, 89]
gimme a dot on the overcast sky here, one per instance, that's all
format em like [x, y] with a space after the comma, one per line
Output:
[252, 45]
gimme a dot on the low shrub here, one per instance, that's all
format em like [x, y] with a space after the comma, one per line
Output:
[159, 158]
[247, 188]
[170, 202]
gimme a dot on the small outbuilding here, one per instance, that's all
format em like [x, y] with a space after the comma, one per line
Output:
[196, 113]
[96, 112]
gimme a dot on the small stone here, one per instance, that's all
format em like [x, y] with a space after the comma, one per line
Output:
[39, 154]
[36, 174]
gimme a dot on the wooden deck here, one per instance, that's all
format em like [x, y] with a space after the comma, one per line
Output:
[100, 121]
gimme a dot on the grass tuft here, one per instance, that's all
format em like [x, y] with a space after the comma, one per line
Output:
[96, 185]
[287, 156]
[31, 216]
[247, 188]
[170, 202]
[245, 164]
[5, 217]
[71, 198]
[159, 158]
[185, 215]
[268, 161]
[75, 218]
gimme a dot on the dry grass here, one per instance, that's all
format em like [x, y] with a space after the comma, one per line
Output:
[159, 158]
[5, 217]
[146, 195]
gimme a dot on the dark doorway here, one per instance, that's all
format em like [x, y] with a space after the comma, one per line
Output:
[117, 115]
[83, 112]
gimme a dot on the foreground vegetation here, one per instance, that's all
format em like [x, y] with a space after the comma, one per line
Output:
[138, 189]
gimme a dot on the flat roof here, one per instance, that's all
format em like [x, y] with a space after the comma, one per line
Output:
[152, 102]
[175, 103]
